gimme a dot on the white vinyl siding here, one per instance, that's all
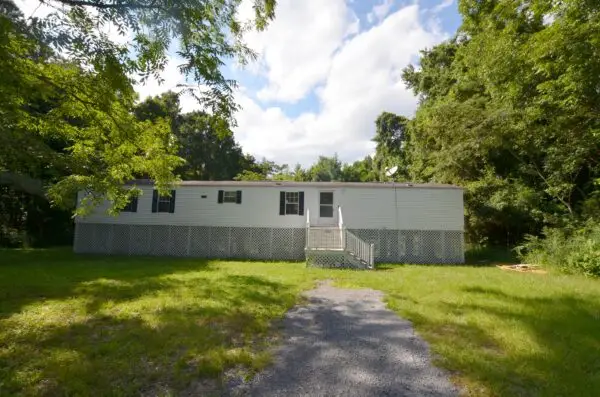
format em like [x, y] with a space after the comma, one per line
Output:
[363, 208]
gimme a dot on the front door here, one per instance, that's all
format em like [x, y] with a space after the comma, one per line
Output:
[327, 209]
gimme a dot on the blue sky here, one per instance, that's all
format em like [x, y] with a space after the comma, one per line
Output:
[445, 15]
[326, 69]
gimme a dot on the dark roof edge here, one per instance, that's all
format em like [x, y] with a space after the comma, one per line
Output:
[397, 185]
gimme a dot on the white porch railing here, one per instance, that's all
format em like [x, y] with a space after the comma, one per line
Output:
[360, 248]
[330, 238]
[341, 227]
[338, 238]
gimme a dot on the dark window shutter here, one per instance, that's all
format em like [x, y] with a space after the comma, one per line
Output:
[301, 203]
[172, 203]
[134, 202]
[220, 199]
[155, 201]
[238, 197]
[281, 203]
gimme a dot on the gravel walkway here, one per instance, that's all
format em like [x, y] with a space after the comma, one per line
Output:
[347, 343]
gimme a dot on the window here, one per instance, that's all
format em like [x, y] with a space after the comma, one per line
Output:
[162, 203]
[230, 196]
[291, 203]
[326, 204]
[131, 205]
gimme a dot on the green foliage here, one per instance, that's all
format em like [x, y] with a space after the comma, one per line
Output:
[205, 33]
[507, 111]
[326, 169]
[247, 175]
[576, 251]
[68, 96]
[205, 141]
[391, 137]
[360, 171]
[28, 220]
[270, 171]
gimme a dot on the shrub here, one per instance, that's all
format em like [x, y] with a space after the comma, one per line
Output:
[575, 251]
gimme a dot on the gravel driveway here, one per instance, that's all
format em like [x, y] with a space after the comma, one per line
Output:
[347, 343]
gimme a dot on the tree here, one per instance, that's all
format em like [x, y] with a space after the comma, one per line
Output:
[264, 170]
[205, 141]
[507, 110]
[391, 136]
[69, 91]
[326, 169]
[360, 171]
[209, 148]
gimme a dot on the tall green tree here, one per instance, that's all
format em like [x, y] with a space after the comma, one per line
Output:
[209, 149]
[66, 81]
[205, 141]
[326, 169]
[360, 171]
[508, 109]
[391, 137]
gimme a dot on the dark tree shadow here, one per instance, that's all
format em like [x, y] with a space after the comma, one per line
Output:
[154, 348]
[27, 276]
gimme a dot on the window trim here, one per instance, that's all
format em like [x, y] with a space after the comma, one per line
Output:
[229, 196]
[284, 201]
[235, 197]
[164, 203]
[332, 205]
[158, 199]
[295, 203]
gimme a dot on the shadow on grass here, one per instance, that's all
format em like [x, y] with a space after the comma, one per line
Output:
[73, 325]
[557, 354]
[27, 276]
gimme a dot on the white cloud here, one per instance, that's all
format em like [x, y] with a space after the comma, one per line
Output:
[297, 47]
[444, 4]
[37, 9]
[380, 11]
[34, 8]
[171, 78]
[363, 80]
[316, 46]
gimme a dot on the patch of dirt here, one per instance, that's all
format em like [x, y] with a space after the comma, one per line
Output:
[523, 268]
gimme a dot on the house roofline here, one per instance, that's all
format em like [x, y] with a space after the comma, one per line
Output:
[382, 185]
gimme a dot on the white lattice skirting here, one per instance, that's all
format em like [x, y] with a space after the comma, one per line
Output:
[407, 246]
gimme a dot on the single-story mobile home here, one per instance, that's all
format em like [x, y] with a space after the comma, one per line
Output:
[326, 223]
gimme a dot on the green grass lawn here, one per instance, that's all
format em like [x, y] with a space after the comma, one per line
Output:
[81, 325]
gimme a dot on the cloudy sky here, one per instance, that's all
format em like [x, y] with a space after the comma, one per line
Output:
[326, 69]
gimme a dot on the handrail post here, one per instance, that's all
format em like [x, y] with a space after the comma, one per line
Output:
[341, 227]
[307, 242]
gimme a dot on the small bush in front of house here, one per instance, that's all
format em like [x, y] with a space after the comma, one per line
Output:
[570, 252]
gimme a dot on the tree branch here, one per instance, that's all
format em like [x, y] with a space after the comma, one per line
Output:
[117, 5]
